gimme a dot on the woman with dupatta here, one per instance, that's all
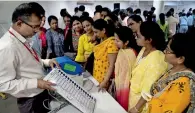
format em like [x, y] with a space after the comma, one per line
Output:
[149, 65]
[126, 57]
[174, 92]
[105, 52]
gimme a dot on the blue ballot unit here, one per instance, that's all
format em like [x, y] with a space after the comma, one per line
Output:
[68, 66]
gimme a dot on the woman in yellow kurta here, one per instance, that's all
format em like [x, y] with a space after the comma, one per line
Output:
[149, 65]
[105, 53]
[174, 92]
[126, 57]
[86, 43]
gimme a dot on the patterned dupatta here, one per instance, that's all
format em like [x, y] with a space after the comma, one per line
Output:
[162, 84]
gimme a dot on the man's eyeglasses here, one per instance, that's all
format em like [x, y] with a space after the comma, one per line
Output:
[34, 27]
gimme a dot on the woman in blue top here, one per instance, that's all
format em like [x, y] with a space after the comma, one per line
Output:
[55, 39]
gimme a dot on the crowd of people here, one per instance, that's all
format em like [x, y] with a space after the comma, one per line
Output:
[146, 64]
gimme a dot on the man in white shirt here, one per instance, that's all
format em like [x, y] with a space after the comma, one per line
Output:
[123, 16]
[61, 23]
[191, 21]
[81, 10]
[172, 22]
[21, 73]
[190, 11]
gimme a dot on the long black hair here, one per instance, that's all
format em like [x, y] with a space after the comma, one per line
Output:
[73, 19]
[126, 34]
[89, 19]
[98, 9]
[136, 18]
[151, 30]
[145, 13]
[162, 18]
[68, 42]
[101, 24]
[114, 21]
[50, 18]
[187, 42]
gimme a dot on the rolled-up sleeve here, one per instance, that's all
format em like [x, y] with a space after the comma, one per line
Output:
[49, 42]
[45, 62]
[8, 82]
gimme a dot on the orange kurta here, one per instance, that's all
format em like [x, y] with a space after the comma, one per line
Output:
[101, 62]
[173, 99]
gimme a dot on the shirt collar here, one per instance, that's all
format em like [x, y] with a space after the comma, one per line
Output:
[18, 36]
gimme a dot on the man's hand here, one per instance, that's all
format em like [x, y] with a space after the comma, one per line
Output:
[53, 63]
[42, 84]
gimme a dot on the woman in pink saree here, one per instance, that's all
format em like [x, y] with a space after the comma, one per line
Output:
[126, 42]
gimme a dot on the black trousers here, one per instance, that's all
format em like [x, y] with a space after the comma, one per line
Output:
[34, 104]
[44, 53]
[190, 28]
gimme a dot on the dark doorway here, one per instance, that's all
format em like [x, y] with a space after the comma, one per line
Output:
[116, 6]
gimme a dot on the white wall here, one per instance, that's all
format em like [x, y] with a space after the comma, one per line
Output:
[54, 7]
[51, 7]
[179, 6]
[6, 9]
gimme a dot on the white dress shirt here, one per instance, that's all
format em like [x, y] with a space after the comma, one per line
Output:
[172, 22]
[124, 22]
[79, 13]
[190, 20]
[61, 23]
[19, 69]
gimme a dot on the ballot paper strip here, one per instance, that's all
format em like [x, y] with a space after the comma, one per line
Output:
[71, 91]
